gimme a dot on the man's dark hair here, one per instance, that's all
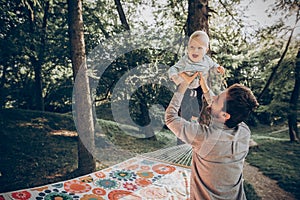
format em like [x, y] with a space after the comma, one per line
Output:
[240, 102]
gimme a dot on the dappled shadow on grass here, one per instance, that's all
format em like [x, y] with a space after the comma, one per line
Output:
[38, 148]
[33, 153]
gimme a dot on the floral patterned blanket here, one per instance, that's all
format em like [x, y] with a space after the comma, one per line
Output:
[138, 178]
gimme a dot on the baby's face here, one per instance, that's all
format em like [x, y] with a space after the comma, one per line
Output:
[197, 49]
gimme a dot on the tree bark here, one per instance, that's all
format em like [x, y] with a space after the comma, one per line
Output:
[292, 116]
[83, 104]
[147, 130]
[37, 55]
[2, 89]
[197, 16]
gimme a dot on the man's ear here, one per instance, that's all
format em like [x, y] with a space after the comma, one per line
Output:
[225, 116]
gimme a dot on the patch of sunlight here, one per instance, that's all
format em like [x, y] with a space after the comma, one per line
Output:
[65, 133]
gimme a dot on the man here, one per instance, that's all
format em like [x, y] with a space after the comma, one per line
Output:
[219, 150]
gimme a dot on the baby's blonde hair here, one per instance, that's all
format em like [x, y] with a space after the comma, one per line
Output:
[201, 35]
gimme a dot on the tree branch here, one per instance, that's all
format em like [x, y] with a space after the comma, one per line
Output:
[122, 15]
[279, 63]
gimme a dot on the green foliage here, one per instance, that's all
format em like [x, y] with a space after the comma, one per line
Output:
[248, 54]
[146, 86]
[22, 35]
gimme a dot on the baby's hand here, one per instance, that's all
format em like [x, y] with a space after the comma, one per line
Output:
[221, 70]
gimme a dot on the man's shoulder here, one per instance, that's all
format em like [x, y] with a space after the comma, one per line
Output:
[244, 127]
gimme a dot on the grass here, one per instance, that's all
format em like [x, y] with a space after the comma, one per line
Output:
[130, 140]
[38, 148]
[277, 158]
[250, 192]
[32, 151]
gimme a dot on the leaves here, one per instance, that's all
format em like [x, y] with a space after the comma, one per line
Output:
[247, 52]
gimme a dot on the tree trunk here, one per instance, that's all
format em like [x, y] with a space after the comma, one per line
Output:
[292, 116]
[2, 89]
[147, 130]
[83, 104]
[197, 16]
[36, 57]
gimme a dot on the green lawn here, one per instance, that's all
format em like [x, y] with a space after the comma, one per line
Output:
[32, 153]
[277, 158]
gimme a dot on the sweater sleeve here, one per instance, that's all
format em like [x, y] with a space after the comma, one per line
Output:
[211, 63]
[174, 71]
[184, 130]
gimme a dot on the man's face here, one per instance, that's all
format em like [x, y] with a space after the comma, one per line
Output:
[216, 107]
[197, 49]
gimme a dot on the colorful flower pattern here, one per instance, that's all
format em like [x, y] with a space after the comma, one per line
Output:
[130, 186]
[76, 186]
[99, 191]
[100, 174]
[143, 182]
[123, 194]
[123, 175]
[163, 169]
[91, 197]
[154, 193]
[107, 183]
[132, 167]
[56, 193]
[22, 195]
[133, 179]
[86, 179]
[145, 174]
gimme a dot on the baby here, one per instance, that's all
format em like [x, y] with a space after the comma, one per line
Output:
[195, 61]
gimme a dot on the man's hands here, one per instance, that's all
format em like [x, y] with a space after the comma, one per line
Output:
[187, 80]
[202, 83]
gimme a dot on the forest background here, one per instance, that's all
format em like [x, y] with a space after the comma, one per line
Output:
[37, 58]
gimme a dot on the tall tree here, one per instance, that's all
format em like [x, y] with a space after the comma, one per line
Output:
[292, 116]
[83, 104]
[197, 16]
[36, 54]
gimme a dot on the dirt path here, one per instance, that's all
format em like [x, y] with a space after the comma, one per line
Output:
[265, 187]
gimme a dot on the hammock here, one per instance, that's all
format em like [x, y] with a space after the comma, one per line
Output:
[137, 178]
[177, 155]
